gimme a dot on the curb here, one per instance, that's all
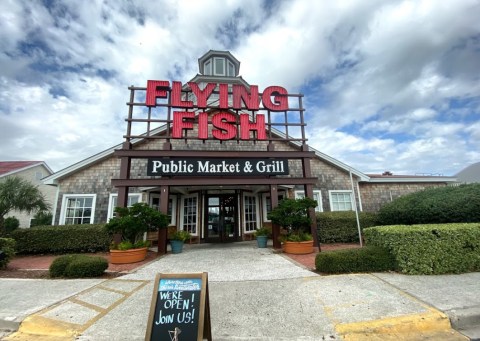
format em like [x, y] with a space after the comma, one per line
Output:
[430, 325]
[9, 326]
[466, 321]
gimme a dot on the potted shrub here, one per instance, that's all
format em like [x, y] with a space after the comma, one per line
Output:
[262, 235]
[132, 223]
[177, 239]
[292, 215]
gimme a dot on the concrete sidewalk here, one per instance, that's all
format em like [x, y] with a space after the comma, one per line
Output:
[255, 294]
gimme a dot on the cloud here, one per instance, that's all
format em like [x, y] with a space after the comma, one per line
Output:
[388, 84]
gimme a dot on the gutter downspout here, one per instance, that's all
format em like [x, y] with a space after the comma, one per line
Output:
[356, 209]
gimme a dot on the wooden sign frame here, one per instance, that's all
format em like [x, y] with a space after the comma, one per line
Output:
[203, 321]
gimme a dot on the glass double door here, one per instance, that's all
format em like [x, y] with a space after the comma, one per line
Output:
[221, 218]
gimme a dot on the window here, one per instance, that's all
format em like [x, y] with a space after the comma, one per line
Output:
[133, 198]
[219, 66]
[77, 209]
[250, 212]
[189, 216]
[231, 69]
[207, 68]
[267, 203]
[172, 206]
[341, 200]
[317, 195]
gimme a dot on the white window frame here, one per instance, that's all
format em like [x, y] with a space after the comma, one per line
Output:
[266, 196]
[230, 64]
[317, 195]
[111, 207]
[257, 210]
[69, 196]
[173, 219]
[215, 72]
[182, 207]
[207, 68]
[330, 196]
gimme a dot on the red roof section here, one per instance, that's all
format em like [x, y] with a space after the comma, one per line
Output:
[11, 166]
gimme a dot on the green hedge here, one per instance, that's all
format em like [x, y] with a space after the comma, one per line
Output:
[62, 239]
[430, 249]
[460, 204]
[365, 259]
[78, 266]
[341, 227]
[7, 245]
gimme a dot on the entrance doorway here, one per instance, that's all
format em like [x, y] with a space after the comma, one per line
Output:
[221, 218]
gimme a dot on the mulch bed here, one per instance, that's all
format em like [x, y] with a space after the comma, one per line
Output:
[36, 266]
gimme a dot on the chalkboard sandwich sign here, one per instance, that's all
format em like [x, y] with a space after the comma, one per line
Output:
[180, 308]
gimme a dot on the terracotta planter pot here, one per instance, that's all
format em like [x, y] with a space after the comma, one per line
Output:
[298, 248]
[128, 256]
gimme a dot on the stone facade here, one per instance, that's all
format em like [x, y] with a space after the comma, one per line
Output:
[375, 195]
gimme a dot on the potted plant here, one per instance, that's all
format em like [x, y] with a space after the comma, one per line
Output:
[177, 239]
[292, 215]
[132, 223]
[262, 235]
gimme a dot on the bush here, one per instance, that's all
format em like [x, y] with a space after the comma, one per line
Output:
[62, 239]
[42, 218]
[11, 224]
[78, 266]
[366, 259]
[341, 227]
[7, 247]
[430, 249]
[435, 205]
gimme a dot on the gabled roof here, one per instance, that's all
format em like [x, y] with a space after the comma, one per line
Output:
[52, 179]
[12, 167]
[469, 174]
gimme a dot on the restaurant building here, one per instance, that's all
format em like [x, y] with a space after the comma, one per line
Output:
[216, 154]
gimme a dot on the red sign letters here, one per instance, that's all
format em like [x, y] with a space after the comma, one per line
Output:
[273, 98]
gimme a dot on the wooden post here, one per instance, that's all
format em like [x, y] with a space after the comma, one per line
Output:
[275, 227]
[308, 188]
[162, 233]
[122, 199]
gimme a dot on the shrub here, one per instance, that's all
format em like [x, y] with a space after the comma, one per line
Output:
[42, 218]
[341, 227]
[132, 222]
[61, 239]
[366, 259]
[435, 205]
[11, 224]
[430, 249]
[78, 266]
[292, 215]
[7, 247]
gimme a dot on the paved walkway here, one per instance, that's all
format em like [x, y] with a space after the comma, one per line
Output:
[255, 294]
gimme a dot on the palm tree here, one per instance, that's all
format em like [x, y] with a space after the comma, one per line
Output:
[19, 194]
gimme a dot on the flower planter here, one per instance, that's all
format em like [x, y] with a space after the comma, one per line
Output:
[128, 256]
[262, 241]
[177, 246]
[298, 248]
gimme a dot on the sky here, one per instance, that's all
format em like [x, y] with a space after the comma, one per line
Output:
[388, 85]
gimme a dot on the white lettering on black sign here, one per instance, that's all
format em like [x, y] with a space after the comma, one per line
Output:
[196, 166]
[177, 308]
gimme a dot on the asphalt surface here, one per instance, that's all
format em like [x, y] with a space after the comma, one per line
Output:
[254, 294]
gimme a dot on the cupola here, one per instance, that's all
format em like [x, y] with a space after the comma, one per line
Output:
[218, 64]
